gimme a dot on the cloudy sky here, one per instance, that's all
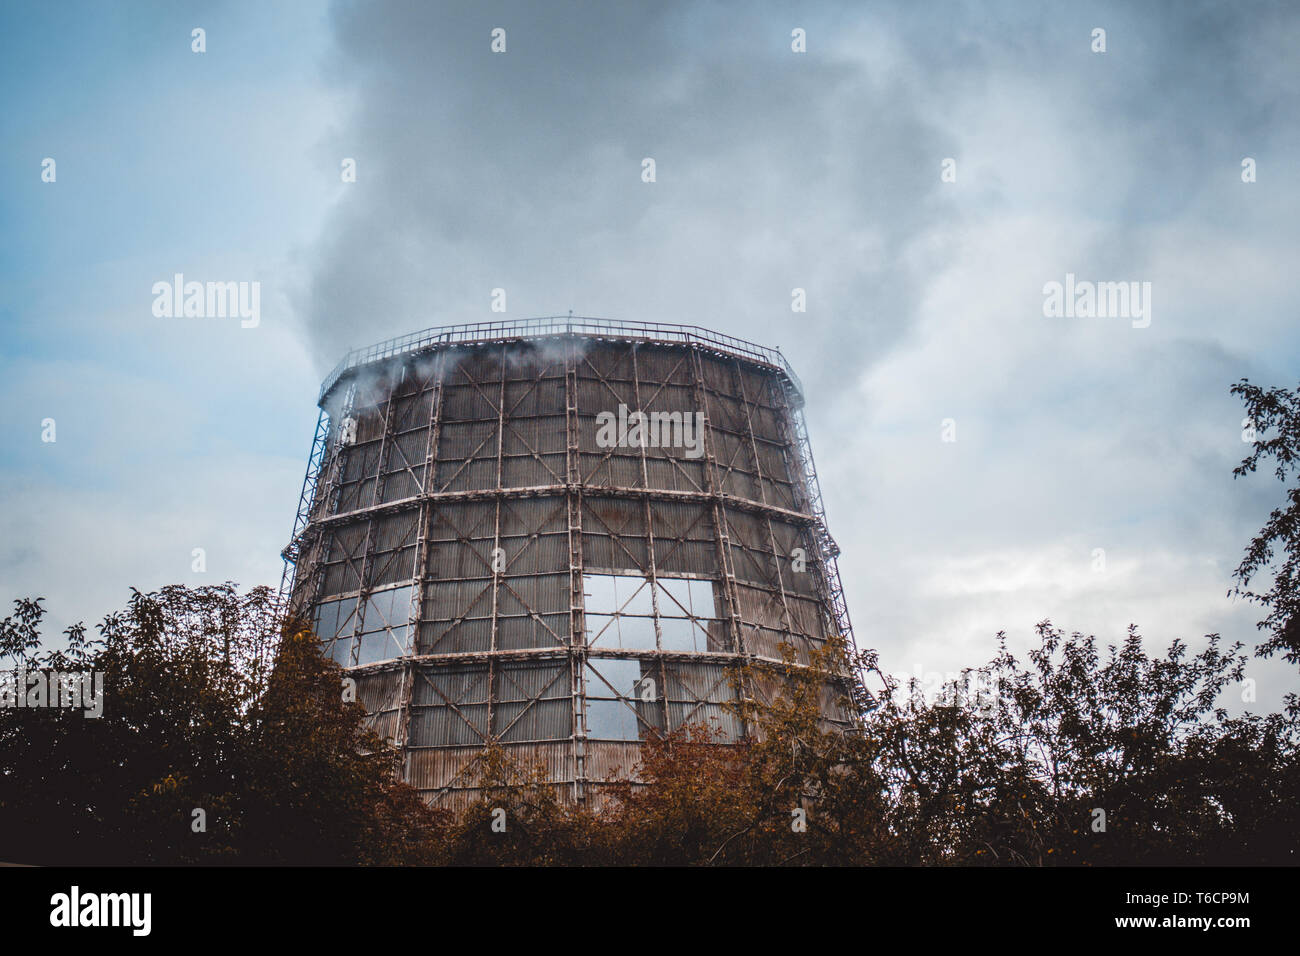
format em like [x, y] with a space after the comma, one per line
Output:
[775, 170]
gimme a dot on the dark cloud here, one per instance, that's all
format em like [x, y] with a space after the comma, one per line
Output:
[522, 171]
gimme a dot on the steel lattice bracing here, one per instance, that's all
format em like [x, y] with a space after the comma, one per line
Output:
[491, 568]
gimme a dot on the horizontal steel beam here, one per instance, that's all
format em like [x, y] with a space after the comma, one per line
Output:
[555, 491]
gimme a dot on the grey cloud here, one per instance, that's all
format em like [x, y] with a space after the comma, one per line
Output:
[521, 170]
[822, 171]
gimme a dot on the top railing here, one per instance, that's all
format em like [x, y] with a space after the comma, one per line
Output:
[472, 333]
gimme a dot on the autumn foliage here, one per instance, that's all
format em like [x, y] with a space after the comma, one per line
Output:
[214, 708]
[228, 741]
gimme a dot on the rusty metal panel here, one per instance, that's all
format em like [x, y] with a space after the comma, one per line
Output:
[448, 726]
[762, 607]
[673, 473]
[474, 482]
[379, 691]
[430, 769]
[612, 761]
[384, 724]
[455, 637]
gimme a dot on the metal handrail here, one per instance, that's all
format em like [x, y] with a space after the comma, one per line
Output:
[506, 330]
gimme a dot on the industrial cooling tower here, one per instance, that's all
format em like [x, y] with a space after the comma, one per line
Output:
[563, 535]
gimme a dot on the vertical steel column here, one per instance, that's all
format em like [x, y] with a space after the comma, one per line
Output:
[421, 574]
[652, 568]
[327, 500]
[496, 543]
[721, 535]
[787, 619]
[577, 603]
[367, 559]
[305, 498]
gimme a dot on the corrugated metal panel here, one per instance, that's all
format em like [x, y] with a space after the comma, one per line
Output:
[690, 557]
[723, 725]
[361, 459]
[460, 440]
[462, 519]
[807, 617]
[533, 720]
[684, 538]
[407, 450]
[412, 411]
[612, 761]
[457, 801]
[533, 515]
[458, 684]
[347, 540]
[536, 400]
[453, 600]
[788, 538]
[434, 769]
[523, 632]
[526, 471]
[727, 414]
[449, 726]
[765, 642]
[613, 516]
[392, 566]
[674, 473]
[753, 566]
[402, 484]
[479, 474]
[532, 709]
[661, 365]
[370, 422]
[711, 683]
[516, 681]
[676, 519]
[603, 552]
[455, 560]
[775, 463]
[462, 403]
[758, 606]
[541, 594]
[384, 724]
[442, 637]
[458, 767]
[768, 424]
[780, 494]
[475, 364]
[528, 361]
[381, 691]
[612, 468]
[393, 531]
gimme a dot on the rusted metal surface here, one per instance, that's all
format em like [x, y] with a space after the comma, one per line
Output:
[490, 570]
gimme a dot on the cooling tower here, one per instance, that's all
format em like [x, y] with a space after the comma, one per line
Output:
[564, 535]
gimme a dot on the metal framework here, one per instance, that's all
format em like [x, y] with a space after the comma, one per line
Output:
[493, 562]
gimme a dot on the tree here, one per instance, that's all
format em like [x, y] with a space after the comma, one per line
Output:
[1012, 764]
[1080, 755]
[224, 738]
[1274, 414]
